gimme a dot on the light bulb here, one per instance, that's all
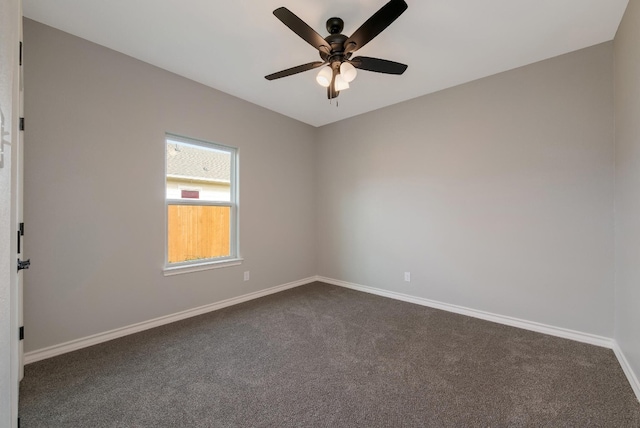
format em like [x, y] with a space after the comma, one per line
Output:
[341, 84]
[324, 76]
[348, 71]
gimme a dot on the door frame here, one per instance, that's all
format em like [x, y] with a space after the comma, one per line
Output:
[17, 165]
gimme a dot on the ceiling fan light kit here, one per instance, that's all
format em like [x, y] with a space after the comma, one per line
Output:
[324, 76]
[336, 49]
[340, 83]
[348, 71]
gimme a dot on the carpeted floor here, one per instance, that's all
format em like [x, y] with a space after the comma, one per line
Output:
[324, 356]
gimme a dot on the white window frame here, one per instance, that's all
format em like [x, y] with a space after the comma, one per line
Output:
[233, 259]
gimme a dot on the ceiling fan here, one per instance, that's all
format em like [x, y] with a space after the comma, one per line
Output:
[336, 49]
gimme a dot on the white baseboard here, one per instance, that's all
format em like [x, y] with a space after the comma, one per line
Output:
[628, 371]
[63, 348]
[52, 351]
[500, 319]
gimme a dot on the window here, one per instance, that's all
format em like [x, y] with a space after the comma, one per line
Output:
[201, 204]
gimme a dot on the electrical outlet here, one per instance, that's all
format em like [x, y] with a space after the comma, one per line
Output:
[247, 275]
[407, 277]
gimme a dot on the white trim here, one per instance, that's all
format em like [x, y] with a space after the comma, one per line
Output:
[197, 267]
[73, 345]
[198, 202]
[52, 351]
[631, 376]
[578, 336]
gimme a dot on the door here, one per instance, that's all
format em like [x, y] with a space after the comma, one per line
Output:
[10, 169]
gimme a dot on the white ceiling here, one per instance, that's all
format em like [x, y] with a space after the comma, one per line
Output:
[231, 45]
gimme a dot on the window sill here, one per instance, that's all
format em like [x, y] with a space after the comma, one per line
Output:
[197, 267]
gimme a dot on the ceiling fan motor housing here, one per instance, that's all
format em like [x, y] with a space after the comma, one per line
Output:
[335, 25]
[336, 42]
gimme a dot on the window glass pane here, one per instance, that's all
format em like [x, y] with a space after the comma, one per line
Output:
[194, 168]
[198, 232]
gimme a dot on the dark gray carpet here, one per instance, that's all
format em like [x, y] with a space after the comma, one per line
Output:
[324, 356]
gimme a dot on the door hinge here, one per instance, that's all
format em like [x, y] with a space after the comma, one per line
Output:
[22, 123]
[23, 264]
[21, 333]
[20, 53]
[20, 235]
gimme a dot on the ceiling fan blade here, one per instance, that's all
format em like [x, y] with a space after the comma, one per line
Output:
[374, 25]
[378, 65]
[301, 28]
[294, 70]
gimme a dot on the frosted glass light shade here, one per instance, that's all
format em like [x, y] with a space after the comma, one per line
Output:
[341, 84]
[324, 76]
[348, 71]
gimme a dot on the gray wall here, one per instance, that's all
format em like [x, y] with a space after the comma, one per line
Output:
[496, 195]
[94, 207]
[627, 206]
